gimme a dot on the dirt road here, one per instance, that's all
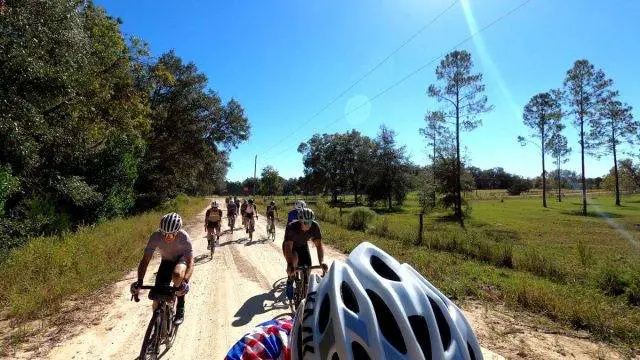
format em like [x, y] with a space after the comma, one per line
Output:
[240, 287]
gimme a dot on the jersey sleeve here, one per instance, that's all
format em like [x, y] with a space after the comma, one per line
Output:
[316, 233]
[288, 233]
[188, 246]
[152, 244]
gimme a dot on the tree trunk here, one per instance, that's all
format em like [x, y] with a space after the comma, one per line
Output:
[584, 180]
[433, 172]
[615, 171]
[559, 183]
[544, 175]
[458, 209]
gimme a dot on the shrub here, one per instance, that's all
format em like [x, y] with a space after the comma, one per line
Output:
[380, 227]
[359, 218]
[633, 291]
[611, 281]
[519, 186]
[536, 263]
[585, 254]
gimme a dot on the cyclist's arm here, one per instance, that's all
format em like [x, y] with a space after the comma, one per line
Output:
[317, 241]
[320, 249]
[190, 266]
[142, 267]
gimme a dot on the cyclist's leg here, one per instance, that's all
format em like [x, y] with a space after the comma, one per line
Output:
[163, 278]
[304, 256]
[177, 276]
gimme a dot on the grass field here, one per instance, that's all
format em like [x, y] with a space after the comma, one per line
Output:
[579, 271]
[48, 270]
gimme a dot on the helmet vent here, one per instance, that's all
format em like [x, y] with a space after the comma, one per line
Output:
[323, 314]
[348, 298]
[387, 323]
[359, 353]
[383, 269]
[443, 325]
[335, 356]
[472, 354]
[421, 332]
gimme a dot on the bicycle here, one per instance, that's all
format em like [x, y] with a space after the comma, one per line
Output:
[161, 330]
[271, 229]
[232, 222]
[251, 224]
[301, 284]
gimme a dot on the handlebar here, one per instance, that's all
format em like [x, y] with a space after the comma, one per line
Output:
[309, 268]
[172, 289]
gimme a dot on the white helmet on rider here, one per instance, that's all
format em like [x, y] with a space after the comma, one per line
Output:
[170, 223]
[214, 204]
[299, 205]
[373, 307]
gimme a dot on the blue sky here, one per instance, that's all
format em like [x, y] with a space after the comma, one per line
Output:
[286, 60]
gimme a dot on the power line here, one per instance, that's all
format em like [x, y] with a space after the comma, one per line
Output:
[419, 69]
[365, 75]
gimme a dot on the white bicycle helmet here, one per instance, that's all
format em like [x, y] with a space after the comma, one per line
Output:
[214, 204]
[300, 204]
[170, 223]
[373, 307]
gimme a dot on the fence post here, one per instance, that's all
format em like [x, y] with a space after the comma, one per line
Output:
[419, 241]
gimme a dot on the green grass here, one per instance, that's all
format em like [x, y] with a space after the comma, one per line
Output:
[48, 270]
[580, 271]
[461, 277]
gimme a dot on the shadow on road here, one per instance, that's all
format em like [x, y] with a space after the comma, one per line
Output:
[275, 299]
[202, 259]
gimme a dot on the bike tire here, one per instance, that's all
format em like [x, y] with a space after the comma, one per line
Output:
[151, 339]
[173, 329]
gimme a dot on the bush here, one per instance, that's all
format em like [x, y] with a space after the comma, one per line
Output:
[519, 186]
[536, 263]
[611, 281]
[633, 291]
[359, 218]
[585, 254]
[380, 227]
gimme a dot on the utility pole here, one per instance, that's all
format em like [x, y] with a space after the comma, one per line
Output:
[255, 166]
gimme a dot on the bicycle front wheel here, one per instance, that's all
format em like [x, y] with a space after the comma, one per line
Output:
[151, 343]
[172, 329]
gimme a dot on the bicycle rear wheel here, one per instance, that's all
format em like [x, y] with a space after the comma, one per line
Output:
[151, 343]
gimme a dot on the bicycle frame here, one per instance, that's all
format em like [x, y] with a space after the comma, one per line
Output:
[302, 283]
[161, 329]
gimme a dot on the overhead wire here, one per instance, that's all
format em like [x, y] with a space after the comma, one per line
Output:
[364, 76]
[416, 71]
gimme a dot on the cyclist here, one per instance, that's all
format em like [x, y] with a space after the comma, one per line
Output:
[232, 210]
[250, 212]
[272, 213]
[293, 214]
[369, 307]
[176, 265]
[237, 201]
[295, 246]
[243, 210]
[212, 220]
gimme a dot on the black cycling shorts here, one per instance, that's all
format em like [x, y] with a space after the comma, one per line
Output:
[304, 256]
[213, 224]
[165, 275]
